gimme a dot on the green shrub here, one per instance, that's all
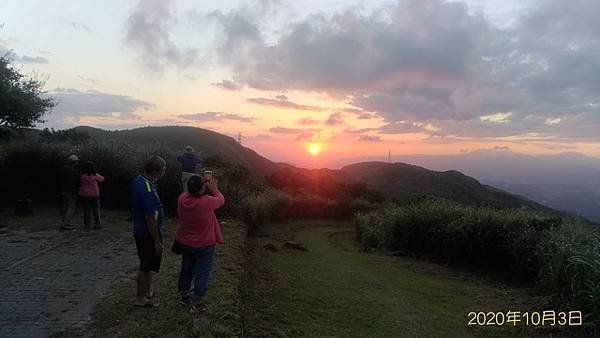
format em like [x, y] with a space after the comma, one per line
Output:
[569, 267]
[561, 254]
[30, 169]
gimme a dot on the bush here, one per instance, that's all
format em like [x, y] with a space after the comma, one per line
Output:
[30, 168]
[569, 267]
[445, 229]
[561, 254]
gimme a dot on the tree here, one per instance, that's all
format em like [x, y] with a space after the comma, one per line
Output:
[22, 103]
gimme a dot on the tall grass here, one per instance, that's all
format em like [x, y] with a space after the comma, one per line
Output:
[276, 205]
[29, 168]
[562, 255]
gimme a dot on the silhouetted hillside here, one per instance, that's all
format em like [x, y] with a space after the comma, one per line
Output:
[207, 141]
[397, 180]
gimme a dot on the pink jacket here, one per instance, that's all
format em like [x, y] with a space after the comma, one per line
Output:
[198, 226]
[89, 185]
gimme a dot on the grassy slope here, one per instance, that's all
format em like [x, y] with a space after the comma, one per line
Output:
[115, 316]
[334, 290]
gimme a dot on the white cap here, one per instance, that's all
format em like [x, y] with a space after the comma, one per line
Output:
[73, 158]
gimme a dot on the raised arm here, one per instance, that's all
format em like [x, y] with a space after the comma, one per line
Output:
[218, 200]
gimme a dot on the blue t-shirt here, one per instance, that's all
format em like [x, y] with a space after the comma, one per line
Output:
[188, 162]
[145, 201]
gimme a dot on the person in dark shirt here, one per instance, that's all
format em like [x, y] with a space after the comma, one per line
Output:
[190, 165]
[147, 215]
[69, 187]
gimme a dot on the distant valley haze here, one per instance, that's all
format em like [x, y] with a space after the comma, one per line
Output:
[565, 181]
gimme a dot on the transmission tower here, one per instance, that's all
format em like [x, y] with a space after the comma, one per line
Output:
[389, 156]
[239, 138]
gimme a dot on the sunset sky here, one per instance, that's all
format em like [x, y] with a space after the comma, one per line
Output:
[360, 78]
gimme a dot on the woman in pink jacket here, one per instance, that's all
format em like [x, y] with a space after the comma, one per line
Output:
[90, 194]
[198, 233]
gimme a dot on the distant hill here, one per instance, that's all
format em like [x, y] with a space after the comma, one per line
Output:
[207, 141]
[566, 181]
[393, 180]
[398, 179]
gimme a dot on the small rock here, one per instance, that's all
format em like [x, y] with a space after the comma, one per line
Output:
[271, 247]
[295, 246]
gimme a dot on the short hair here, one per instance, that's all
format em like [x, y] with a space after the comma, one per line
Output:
[154, 163]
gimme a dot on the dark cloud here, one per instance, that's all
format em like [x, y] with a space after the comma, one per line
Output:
[74, 104]
[215, 117]
[360, 114]
[228, 85]
[359, 131]
[282, 102]
[410, 62]
[284, 130]
[369, 138]
[351, 52]
[335, 119]
[433, 61]
[148, 32]
[307, 121]
[307, 136]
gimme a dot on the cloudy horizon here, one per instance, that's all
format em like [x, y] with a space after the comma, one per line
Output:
[361, 78]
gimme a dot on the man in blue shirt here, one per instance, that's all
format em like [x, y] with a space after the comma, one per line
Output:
[190, 165]
[147, 214]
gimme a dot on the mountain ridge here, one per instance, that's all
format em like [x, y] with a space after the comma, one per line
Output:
[393, 179]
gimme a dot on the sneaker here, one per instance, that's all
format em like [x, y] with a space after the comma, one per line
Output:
[198, 308]
[67, 227]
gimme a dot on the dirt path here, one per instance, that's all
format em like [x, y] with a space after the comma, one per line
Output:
[50, 280]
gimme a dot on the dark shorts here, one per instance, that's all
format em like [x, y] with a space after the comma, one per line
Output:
[149, 261]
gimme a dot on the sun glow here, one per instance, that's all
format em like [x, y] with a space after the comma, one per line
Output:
[314, 148]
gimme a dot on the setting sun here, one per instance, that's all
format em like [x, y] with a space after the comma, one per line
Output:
[314, 148]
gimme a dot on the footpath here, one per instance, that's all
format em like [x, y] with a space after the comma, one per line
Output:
[50, 280]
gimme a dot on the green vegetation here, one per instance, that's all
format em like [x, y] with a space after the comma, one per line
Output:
[276, 205]
[561, 254]
[22, 103]
[335, 290]
[30, 163]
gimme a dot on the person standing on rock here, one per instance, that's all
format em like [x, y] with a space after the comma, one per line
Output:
[147, 215]
[190, 165]
[69, 186]
[89, 193]
[198, 233]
